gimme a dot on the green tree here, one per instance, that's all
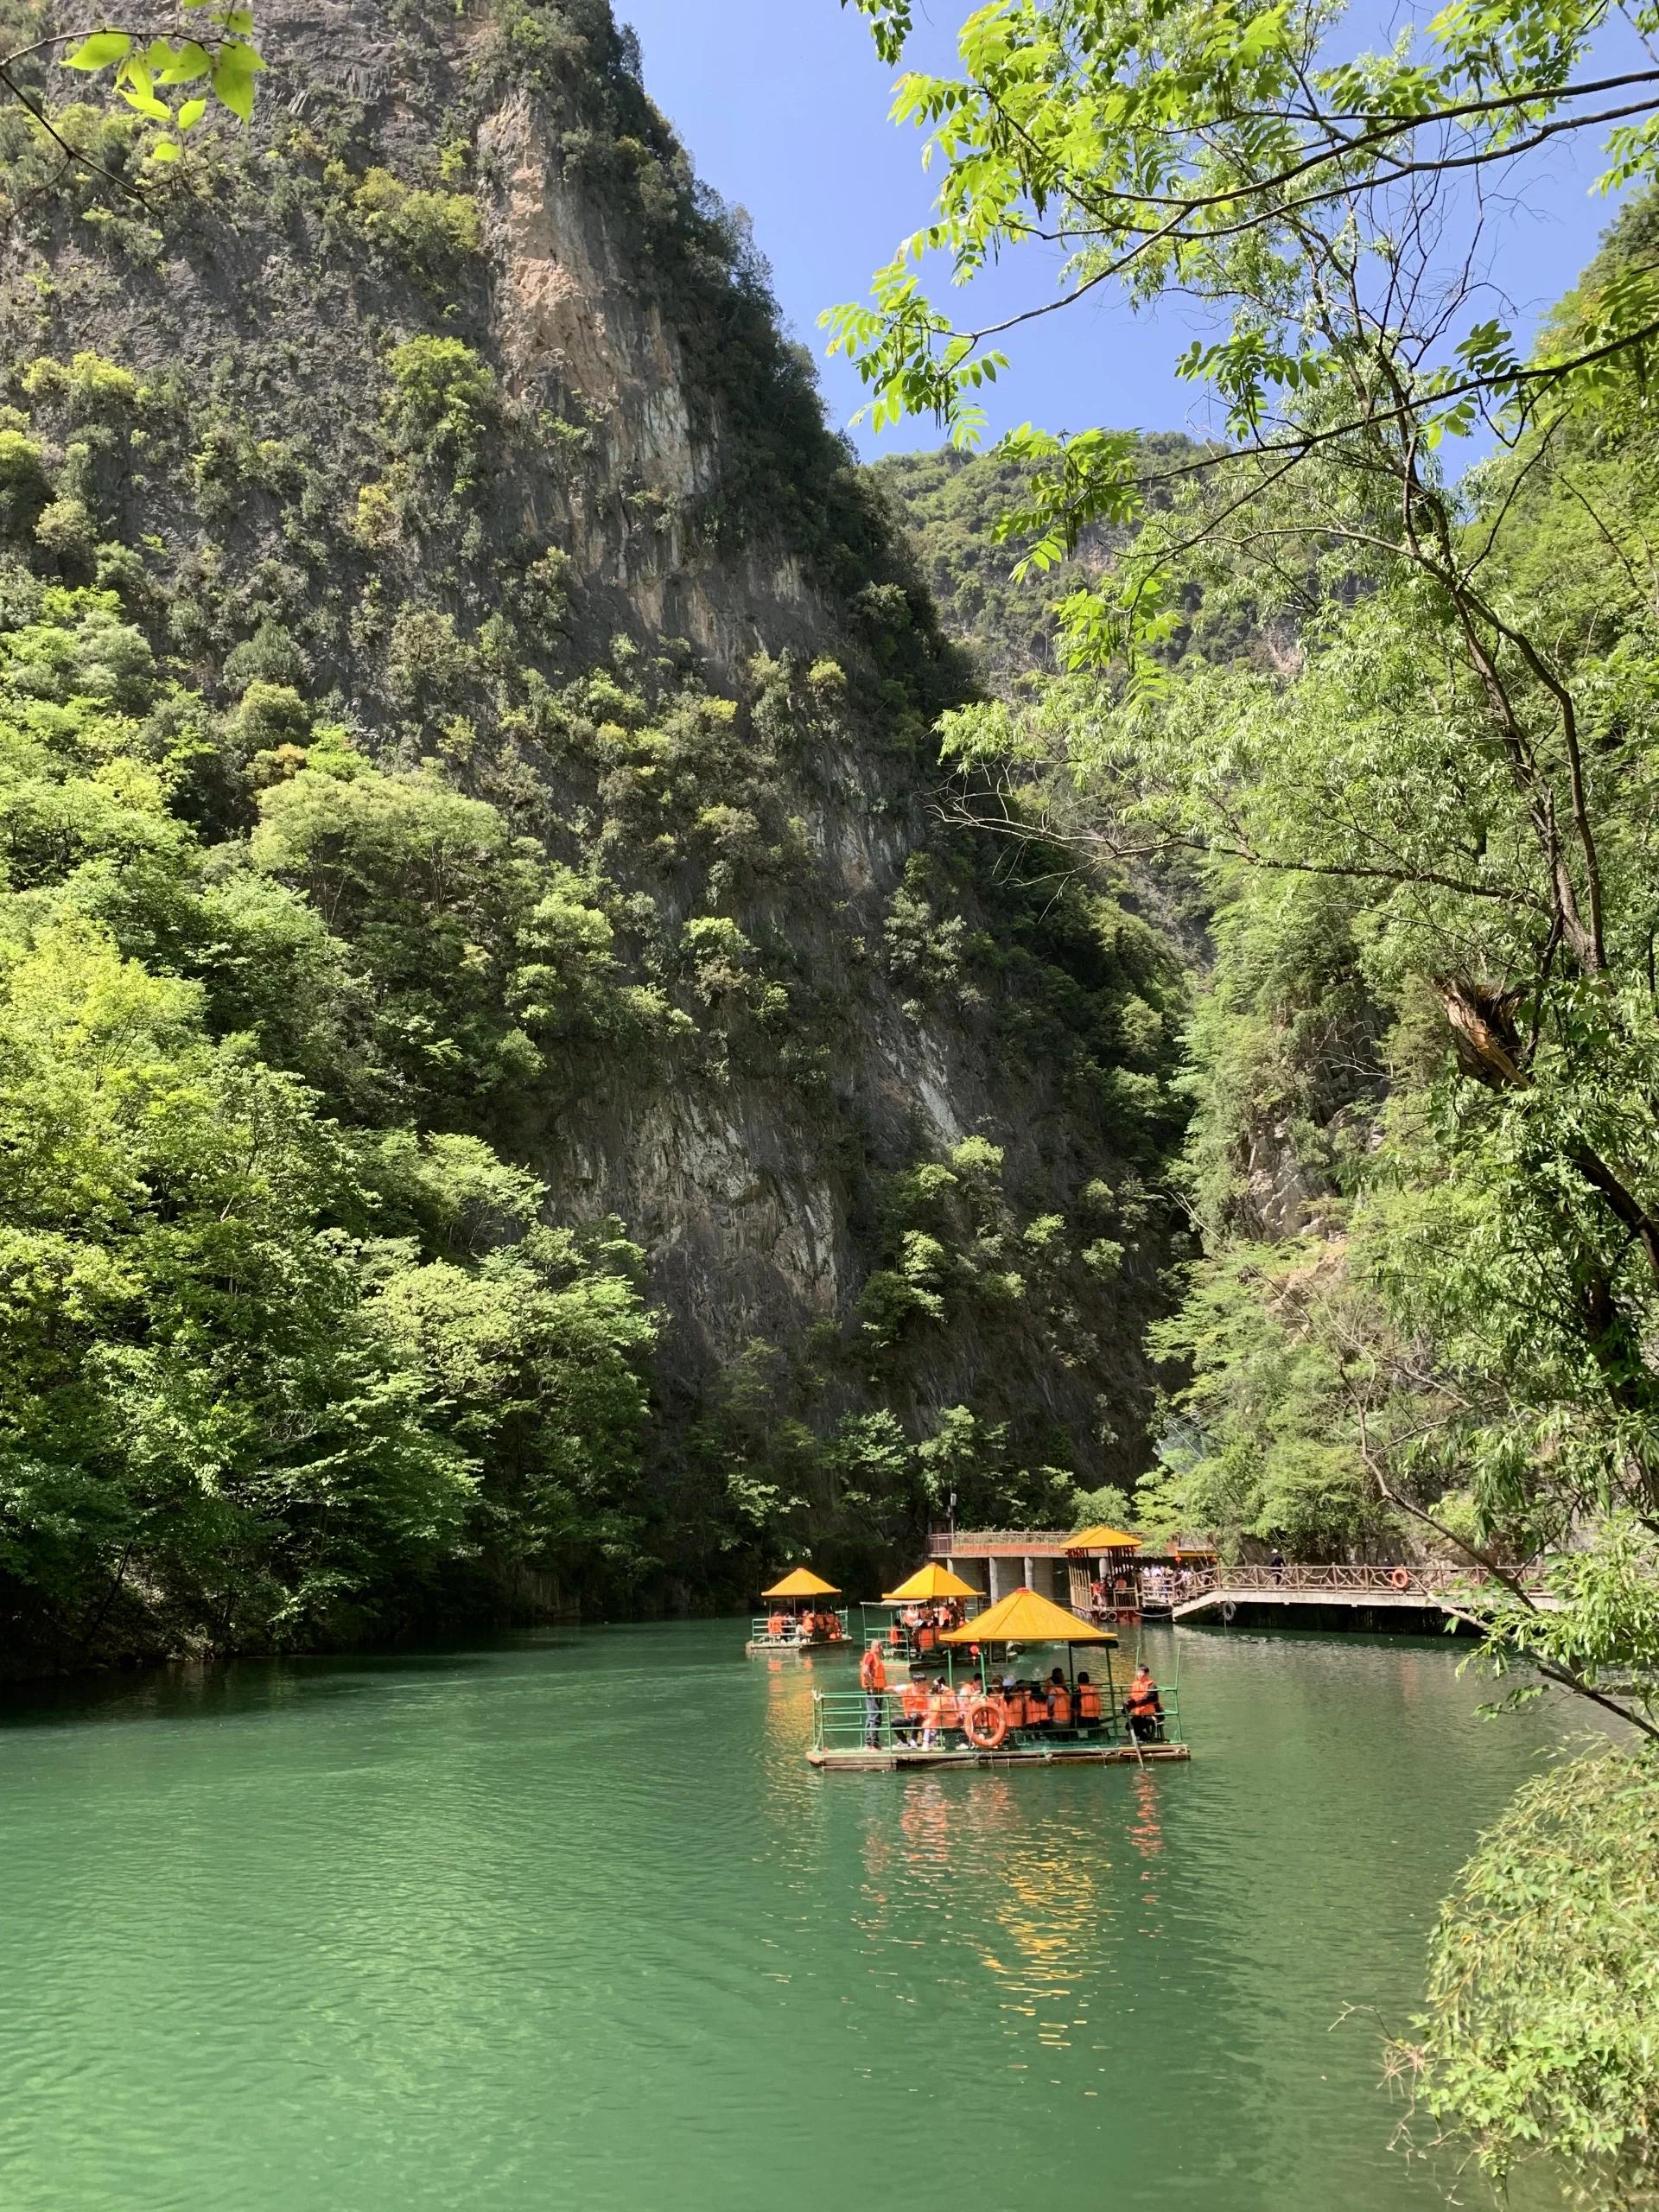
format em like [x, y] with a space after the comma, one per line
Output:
[1444, 719]
[198, 1388]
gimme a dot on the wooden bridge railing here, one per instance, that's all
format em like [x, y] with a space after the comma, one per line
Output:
[1430, 1579]
[970, 1541]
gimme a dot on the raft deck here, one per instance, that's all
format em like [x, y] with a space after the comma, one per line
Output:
[762, 1647]
[849, 1761]
[860, 1732]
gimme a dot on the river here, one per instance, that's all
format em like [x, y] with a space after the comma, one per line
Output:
[568, 1925]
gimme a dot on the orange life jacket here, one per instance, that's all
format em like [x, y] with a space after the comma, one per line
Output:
[914, 1700]
[775, 1625]
[1059, 1704]
[927, 1636]
[871, 1672]
[942, 1708]
[1143, 1695]
[1088, 1701]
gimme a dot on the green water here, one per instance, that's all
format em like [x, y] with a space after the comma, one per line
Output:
[571, 1924]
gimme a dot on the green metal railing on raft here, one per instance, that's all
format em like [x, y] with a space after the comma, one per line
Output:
[885, 1625]
[760, 1633]
[842, 1722]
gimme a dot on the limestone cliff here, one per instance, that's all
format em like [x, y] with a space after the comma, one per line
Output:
[464, 436]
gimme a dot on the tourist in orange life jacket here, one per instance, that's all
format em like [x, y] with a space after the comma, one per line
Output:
[1059, 1701]
[872, 1681]
[1089, 1709]
[912, 1699]
[776, 1625]
[1141, 1704]
[941, 1713]
[1033, 1706]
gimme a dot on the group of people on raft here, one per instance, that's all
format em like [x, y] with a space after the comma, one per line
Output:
[919, 1628]
[937, 1716]
[805, 1628]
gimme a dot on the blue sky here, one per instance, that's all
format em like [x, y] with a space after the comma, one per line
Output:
[783, 106]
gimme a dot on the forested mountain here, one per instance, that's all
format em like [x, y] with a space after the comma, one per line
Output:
[511, 1095]
[951, 502]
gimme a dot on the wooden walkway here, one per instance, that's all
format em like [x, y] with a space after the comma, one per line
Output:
[1227, 1593]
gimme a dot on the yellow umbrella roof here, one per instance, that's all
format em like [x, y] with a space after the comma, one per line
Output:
[1100, 1539]
[801, 1582]
[931, 1581]
[1023, 1617]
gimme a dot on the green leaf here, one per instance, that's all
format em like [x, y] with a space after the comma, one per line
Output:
[191, 114]
[189, 61]
[164, 150]
[99, 51]
[147, 103]
[233, 75]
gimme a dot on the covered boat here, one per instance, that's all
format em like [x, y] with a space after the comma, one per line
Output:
[978, 1717]
[796, 1621]
[911, 1621]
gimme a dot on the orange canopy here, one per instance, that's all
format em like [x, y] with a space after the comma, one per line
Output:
[801, 1582]
[1023, 1617]
[1104, 1540]
[931, 1581]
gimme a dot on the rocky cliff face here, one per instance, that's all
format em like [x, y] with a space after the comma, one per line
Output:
[458, 430]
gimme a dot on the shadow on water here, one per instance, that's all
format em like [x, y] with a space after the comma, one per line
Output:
[201, 1689]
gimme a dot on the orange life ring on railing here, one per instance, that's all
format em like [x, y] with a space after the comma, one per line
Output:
[985, 1724]
[1399, 1580]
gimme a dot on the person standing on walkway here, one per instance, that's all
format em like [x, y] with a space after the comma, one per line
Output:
[1277, 1563]
[872, 1679]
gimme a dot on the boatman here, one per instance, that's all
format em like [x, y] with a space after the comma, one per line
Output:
[872, 1679]
[1146, 1712]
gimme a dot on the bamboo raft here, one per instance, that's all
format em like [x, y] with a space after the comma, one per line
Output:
[845, 1759]
[766, 1647]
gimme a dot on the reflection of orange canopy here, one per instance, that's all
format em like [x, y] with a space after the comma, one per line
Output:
[1104, 1540]
[1024, 1617]
[931, 1581]
[801, 1582]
